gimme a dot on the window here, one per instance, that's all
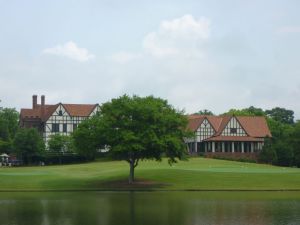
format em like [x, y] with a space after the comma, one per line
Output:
[60, 113]
[233, 130]
[55, 127]
[74, 126]
[65, 127]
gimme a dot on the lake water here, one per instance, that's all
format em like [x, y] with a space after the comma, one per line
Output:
[145, 208]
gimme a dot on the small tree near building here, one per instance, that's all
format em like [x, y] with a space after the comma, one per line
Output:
[28, 144]
[87, 138]
[60, 143]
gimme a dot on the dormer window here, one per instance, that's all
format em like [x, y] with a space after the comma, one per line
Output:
[60, 113]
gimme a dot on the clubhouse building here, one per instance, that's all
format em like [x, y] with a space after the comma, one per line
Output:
[52, 119]
[224, 135]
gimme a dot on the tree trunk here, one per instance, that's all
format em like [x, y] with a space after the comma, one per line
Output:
[131, 172]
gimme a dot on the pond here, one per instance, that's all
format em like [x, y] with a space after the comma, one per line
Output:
[145, 208]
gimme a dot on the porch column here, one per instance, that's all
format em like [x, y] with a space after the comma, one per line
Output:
[232, 146]
[205, 146]
[223, 147]
[260, 146]
[242, 147]
[195, 146]
[252, 147]
[213, 146]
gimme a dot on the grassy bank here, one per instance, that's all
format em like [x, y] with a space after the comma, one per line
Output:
[195, 174]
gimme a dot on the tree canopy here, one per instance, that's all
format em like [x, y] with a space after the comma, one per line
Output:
[281, 115]
[250, 111]
[204, 112]
[136, 128]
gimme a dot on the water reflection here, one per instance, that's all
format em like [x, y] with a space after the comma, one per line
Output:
[159, 208]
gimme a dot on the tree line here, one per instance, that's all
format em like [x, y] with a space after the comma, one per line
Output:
[135, 125]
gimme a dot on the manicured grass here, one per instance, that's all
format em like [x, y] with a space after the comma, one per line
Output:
[194, 174]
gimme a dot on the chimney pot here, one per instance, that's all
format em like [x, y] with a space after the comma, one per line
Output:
[43, 100]
[43, 106]
[34, 101]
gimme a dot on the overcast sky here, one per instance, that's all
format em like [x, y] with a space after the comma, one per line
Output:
[211, 54]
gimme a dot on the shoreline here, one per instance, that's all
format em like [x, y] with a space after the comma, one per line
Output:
[151, 190]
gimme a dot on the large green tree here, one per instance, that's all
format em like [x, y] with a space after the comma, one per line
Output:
[136, 128]
[28, 144]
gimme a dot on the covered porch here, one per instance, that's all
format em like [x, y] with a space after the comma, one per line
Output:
[239, 145]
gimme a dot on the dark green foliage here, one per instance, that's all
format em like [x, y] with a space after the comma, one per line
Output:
[204, 112]
[51, 158]
[28, 145]
[296, 144]
[247, 160]
[284, 153]
[281, 142]
[135, 128]
[268, 153]
[281, 115]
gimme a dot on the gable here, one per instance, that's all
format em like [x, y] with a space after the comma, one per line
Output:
[205, 130]
[60, 111]
[233, 128]
[59, 114]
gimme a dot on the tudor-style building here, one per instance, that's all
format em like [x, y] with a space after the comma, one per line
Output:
[227, 134]
[52, 119]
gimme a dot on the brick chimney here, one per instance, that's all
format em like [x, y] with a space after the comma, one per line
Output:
[43, 105]
[34, 101]
[43, 100]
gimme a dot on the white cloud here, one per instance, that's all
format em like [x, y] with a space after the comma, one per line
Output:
[125, 57]
[70, 50]
[187, 27]
[177, 35]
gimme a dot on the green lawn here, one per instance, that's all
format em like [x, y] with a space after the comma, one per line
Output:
[194, 174]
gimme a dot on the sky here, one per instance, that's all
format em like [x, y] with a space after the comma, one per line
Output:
[197, 54]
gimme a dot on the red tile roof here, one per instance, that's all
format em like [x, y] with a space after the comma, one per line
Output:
[194, 123]
[254, 126]
[72, 109]
[79, 109]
